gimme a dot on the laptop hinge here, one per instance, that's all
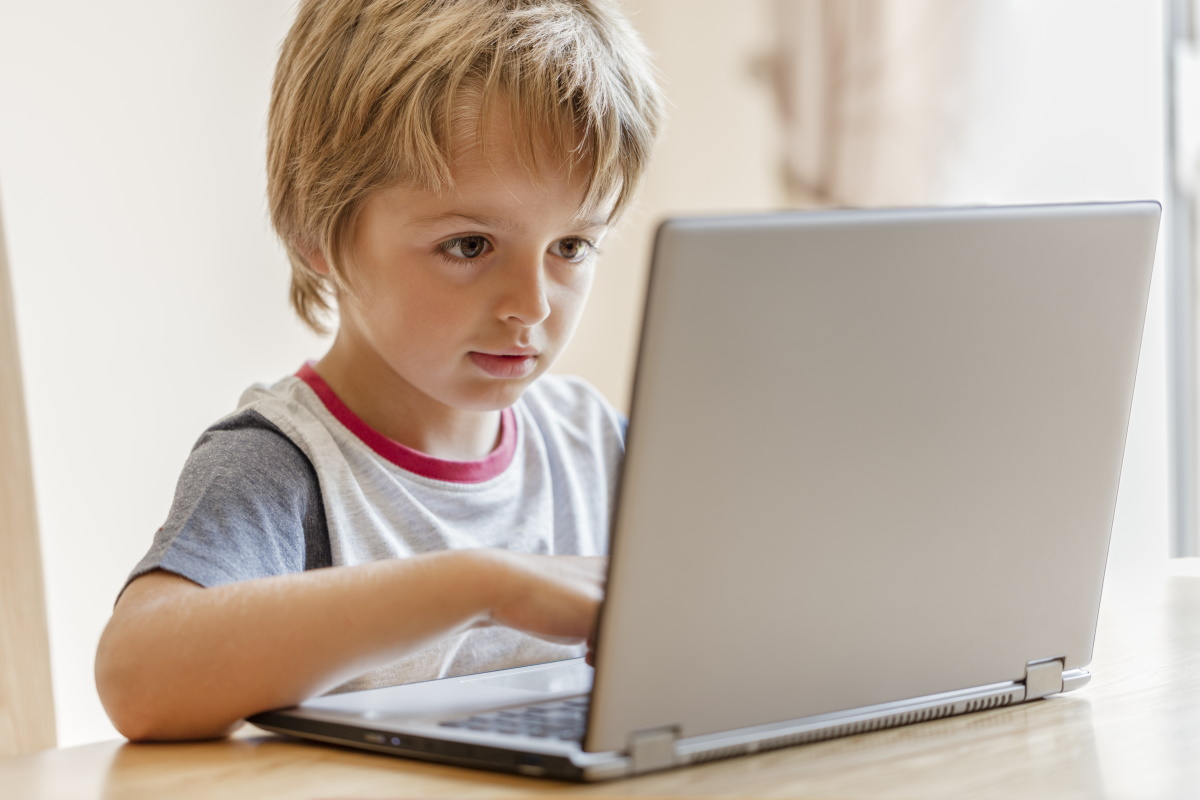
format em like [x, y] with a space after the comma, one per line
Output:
[1043, 678]
[653, 749]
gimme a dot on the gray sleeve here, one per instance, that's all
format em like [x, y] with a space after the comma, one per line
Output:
[248, 505]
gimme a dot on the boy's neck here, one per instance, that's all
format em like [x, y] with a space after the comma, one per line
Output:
[396, 409]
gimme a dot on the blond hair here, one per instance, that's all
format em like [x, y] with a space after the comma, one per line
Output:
[368, 93]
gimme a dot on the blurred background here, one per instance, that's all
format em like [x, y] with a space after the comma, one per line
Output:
[149, 290]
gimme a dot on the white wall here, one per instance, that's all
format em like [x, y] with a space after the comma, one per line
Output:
[149, 290]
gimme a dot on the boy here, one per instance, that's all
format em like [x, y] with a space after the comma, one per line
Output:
[422, 501]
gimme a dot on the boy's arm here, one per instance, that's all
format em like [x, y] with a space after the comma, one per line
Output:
[178, 661]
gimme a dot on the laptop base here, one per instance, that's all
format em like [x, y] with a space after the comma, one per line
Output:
[660, 750]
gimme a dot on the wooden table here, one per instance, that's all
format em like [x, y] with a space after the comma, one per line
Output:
[1133, 732]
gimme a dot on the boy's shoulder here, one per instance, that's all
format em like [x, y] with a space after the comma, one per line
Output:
[286, 389]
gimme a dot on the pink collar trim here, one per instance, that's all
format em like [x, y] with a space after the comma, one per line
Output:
[413, 460]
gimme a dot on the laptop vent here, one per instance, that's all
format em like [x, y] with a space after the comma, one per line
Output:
[720, 753]
[988, 702]
[849, 729]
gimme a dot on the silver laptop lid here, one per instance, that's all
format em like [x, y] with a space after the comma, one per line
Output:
[872, 456]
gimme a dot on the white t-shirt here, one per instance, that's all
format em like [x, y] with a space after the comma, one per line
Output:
[293, 480]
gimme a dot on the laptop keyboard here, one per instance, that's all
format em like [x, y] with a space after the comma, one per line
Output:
[556, 719]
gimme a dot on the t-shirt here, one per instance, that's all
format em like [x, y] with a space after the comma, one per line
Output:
[294, 480]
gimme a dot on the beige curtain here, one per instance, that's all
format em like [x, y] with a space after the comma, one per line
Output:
[869, 92]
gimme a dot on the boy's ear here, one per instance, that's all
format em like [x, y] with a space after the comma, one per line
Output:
[317, 260]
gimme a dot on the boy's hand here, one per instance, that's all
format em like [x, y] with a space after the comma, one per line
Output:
[555, 598]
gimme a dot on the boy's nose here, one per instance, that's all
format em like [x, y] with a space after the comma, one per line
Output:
[524, 299]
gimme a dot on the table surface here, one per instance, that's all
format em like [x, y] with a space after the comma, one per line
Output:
[1133, 732]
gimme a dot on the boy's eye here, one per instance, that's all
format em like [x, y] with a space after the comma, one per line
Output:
[467, 248]
[573, 248]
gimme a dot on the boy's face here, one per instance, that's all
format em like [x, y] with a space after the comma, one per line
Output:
[462, 299]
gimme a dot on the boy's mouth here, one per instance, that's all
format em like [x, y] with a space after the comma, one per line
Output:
[512, 364]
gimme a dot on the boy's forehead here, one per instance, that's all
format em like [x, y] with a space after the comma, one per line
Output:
[481, 138]
[496, 166]
[497, 163]
[500, 193]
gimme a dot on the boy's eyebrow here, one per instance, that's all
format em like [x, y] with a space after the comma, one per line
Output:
[496, 222]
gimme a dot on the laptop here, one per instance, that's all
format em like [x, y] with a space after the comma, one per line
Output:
[871, 474]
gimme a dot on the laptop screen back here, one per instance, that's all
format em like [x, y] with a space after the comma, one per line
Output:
[872, 456]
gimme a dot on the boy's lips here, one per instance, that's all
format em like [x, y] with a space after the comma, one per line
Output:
[516, 362]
